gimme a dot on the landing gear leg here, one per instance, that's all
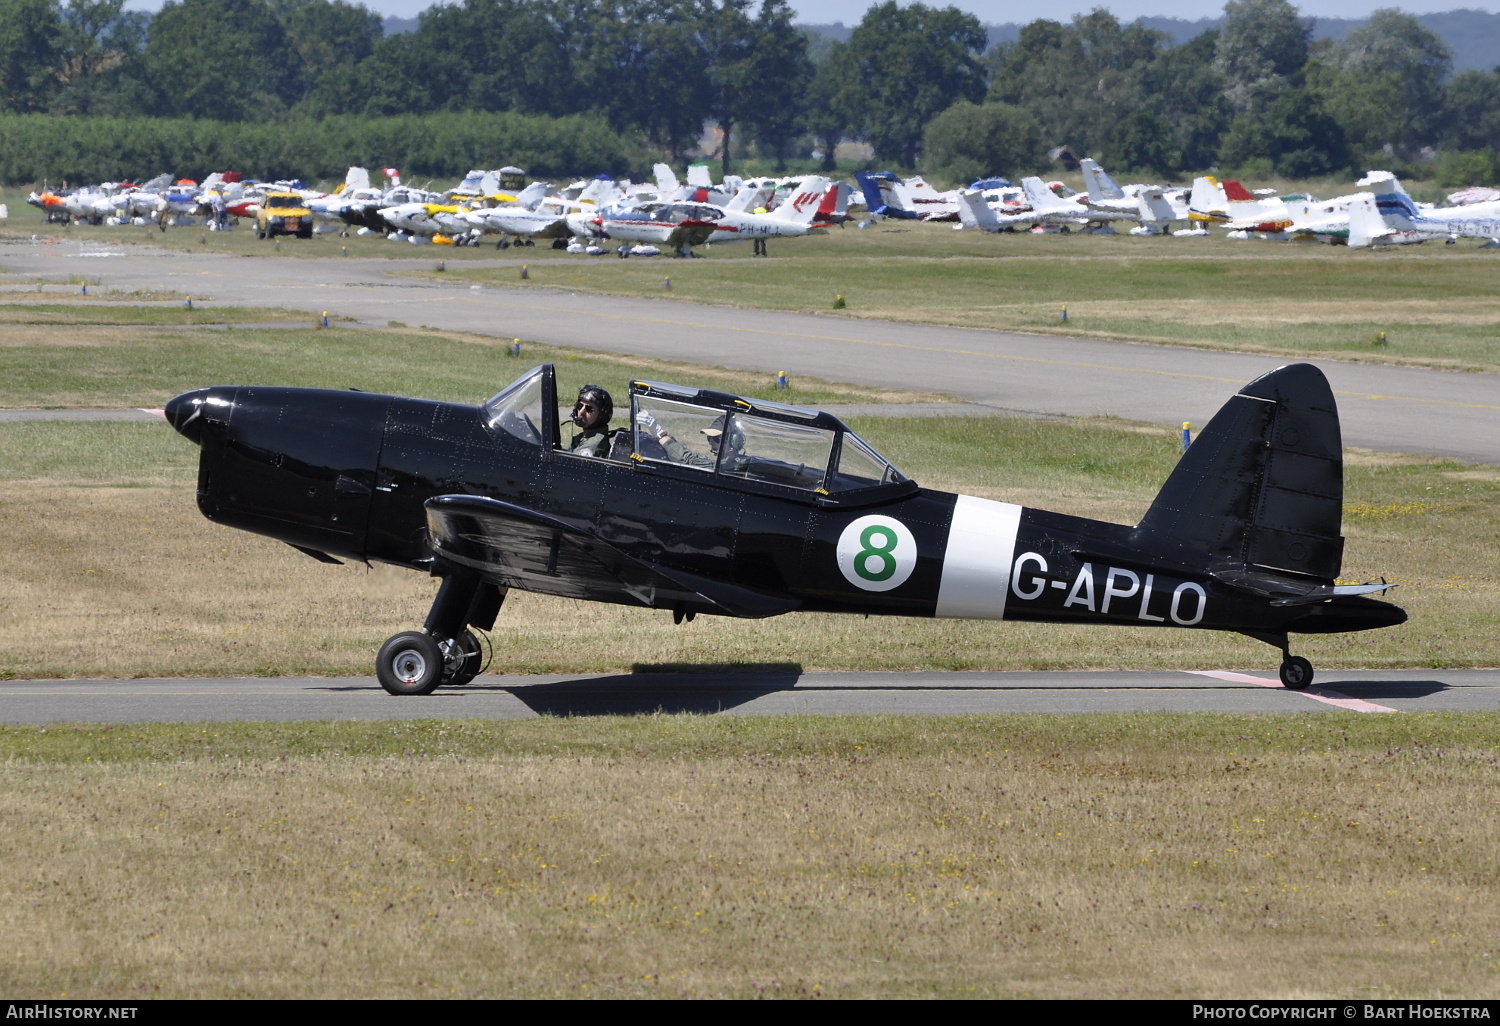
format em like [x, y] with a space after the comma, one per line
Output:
[1296, 672]
[445, 651]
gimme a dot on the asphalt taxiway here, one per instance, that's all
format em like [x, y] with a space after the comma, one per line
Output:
[771, 693]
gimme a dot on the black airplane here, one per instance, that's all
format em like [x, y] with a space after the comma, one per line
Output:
[712, 503]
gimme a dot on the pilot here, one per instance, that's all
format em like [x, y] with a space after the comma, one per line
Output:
[591, 414]
[679, 453]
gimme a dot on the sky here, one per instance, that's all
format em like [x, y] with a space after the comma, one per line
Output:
[998, 12]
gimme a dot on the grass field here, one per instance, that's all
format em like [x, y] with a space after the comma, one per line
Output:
[1325, 855]
[1051, 857]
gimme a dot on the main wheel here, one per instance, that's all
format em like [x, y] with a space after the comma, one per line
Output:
[463, 658]
[410, 663]
[1296, 673]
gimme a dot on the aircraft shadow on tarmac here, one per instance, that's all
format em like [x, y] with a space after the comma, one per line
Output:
[1375, 688]
[701, 689]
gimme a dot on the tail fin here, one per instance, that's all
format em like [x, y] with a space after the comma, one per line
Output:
[1154, 206]
[666, 181]
[750, 196]
[974, 212]
[1366, 226]
[1100, 186]
[828, 208]
[1237, 193]
[532, 195]
[802, 206]
[1263, 485]
[1038, 195]
[698, 176]
[1208, 201]
[870, 186]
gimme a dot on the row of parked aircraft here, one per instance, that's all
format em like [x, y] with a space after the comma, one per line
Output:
[1380, 212]
[639, 218]
[601, 215]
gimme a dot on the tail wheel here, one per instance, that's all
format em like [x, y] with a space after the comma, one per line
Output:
[463, 658]
[410, 663]
[1296, 673]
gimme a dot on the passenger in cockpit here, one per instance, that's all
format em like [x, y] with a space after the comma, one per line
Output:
[591, 414]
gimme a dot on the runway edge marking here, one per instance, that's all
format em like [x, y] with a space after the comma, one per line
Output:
[1323, 695]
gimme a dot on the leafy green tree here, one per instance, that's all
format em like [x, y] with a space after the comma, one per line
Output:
[100, 46]
[727, 36]
[1078, 80]
[1262, 45]
[642, 66]
[823, 116]
[904, 66]
[230, 60]
[331, 37]
[1393, 51]
[969, 141]
[1182, 90]
[1294, 132]
[30, 50]
[777, 85]
[1370, 106]
[1471, 111]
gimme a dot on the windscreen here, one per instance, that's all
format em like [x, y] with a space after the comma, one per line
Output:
[517, 408]
[860, 466]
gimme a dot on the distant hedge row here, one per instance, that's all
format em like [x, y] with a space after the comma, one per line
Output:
[78, 150]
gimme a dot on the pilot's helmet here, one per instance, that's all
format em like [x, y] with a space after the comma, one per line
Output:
[599, 399]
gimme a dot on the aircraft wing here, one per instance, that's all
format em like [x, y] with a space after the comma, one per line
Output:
[520, 548]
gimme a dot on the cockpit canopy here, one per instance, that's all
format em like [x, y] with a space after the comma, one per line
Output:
[730, 437]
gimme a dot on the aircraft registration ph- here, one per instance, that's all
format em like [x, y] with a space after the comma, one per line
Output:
[720, 505]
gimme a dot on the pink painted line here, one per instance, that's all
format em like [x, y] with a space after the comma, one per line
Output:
[1316, 694]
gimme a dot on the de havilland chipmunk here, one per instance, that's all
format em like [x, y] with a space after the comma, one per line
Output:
[717, 504]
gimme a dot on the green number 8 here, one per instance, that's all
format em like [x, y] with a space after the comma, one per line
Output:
[883, 552]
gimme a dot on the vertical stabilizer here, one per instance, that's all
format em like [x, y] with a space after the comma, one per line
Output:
[801, 207]
[1207, 202]
[974, 212]
[1154, 207]
[1366, 226]
[1263, 484]
[666, 181]
[1098, 183]
[1040, 197]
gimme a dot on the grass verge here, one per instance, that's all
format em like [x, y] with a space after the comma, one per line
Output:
[121, 313]
[1048, 857]
[109, 364]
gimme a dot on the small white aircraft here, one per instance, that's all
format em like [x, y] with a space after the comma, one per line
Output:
[1401, 214]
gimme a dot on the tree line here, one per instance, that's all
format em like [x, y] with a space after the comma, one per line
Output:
[916, 82]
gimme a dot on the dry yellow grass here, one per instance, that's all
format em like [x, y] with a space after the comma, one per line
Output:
[678, 856]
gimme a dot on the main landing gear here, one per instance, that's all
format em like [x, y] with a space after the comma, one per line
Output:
[445, 652]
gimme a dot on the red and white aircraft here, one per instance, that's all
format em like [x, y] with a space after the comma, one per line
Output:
[685, 225]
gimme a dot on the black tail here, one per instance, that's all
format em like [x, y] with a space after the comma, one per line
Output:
[1263, 485]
